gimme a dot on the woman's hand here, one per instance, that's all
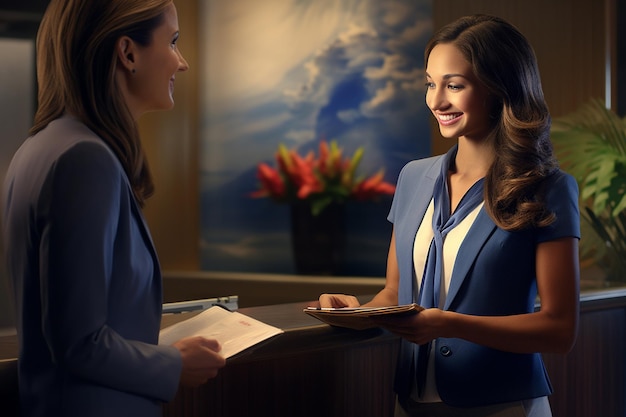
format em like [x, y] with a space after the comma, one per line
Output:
[417, 328]
[201, 360]
[338, 301]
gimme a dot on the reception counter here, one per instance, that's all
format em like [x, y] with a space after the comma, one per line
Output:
[316, 370]
[311, 369]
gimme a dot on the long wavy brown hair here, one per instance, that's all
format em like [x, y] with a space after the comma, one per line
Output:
[76, 63]
[504, 61]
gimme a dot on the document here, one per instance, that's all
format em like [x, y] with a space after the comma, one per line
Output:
[236, 332]
[360, 318]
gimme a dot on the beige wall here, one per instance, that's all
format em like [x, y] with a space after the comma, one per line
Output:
[568, 37]
[171, 140]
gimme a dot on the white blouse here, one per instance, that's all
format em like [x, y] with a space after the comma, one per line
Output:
[451, 245]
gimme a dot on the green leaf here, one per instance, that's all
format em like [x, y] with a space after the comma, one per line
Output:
[590, 144]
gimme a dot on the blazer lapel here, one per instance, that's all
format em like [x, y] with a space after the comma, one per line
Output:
[145, 231]
[478, 234]
[406, 230]
[143, 226]
[422, 199]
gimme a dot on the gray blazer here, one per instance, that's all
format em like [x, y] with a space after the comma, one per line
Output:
[86, 280]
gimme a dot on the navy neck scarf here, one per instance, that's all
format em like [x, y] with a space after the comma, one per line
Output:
[443, 222]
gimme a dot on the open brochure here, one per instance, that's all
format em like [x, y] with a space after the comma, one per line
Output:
[236, 332]
[360, 318]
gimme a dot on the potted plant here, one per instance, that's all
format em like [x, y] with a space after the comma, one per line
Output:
[590, 144]
[316, 189]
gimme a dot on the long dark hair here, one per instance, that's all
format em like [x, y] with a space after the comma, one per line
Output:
[504, 61]
[76, 62]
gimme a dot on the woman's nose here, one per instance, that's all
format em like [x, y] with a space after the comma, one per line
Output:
[182, 65]
[436, 99]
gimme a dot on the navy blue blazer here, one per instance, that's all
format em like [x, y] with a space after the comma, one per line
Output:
[86, 279]
[494, 274]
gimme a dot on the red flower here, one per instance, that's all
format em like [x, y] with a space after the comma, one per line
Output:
[272, 184]
[373, 186]
[329, 178]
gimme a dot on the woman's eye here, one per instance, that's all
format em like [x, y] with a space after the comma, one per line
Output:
[455, 87]
[429, 85]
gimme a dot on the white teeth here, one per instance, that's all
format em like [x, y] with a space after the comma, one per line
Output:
[447, 117]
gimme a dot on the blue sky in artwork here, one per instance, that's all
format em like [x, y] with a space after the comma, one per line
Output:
[292, 72]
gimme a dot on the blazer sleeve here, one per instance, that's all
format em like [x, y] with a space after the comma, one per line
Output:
[79, 208]
[562, 200]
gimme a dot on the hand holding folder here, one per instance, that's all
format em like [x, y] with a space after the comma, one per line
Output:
[360, 318]
[236, 332]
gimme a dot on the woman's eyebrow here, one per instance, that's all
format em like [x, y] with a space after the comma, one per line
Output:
[448, 76]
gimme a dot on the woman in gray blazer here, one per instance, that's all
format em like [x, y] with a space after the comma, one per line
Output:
[478, 233]
[85, 274]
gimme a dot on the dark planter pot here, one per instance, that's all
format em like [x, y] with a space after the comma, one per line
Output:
[318, 242]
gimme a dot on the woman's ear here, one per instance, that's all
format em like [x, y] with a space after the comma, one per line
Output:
[126, 50]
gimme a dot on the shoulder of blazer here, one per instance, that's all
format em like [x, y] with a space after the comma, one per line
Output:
[77, 133]
[80, 135]
[66, 133]
[428, 167]
[416, 181]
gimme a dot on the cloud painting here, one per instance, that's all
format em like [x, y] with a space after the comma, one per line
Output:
[294, 72]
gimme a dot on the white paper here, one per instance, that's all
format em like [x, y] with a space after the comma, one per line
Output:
[235, 331]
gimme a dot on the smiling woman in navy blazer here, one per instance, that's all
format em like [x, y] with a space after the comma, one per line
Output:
[85, 273]
[479, 233]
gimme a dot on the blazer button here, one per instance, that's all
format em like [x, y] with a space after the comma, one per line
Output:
[445, 351]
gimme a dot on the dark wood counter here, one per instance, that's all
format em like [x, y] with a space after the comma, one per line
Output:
[310, 370]
[316, 370]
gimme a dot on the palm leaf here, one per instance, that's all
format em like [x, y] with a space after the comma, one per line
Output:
[607, 243]
[590, 144]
